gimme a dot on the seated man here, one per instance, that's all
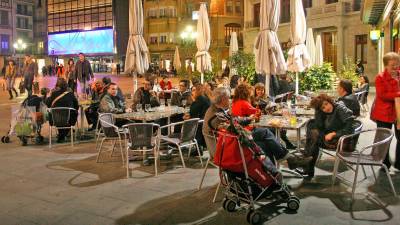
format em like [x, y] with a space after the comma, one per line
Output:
[145, 95]
[61, 97]
[106, 83]
[346, 97]
[110, 103]
[178, 98]
[217, 117]
[91, 112]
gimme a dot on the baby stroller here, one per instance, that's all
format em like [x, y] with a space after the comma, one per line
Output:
[248, 177]
[26, 123]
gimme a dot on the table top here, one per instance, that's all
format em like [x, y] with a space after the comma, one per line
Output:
[281, 122]
[155, 113]
[299, 112]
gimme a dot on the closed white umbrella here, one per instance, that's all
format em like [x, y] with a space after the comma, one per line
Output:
[310, 44]
[177, 59]
[203, 41]
[137, 53]
[298, 58]
[233, 46]
[269, 56]
[319, 56]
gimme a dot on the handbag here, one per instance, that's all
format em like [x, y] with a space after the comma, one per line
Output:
[21, 87]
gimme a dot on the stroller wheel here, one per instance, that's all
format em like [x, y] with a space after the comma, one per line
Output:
[254, 217]
[6, 139]
[2, 139]
[24, 141]
[229, 205]
[293, 203]
[39, 140]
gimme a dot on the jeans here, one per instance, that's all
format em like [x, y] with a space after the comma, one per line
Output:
[397, 134]
[84, 87]
[267, 141]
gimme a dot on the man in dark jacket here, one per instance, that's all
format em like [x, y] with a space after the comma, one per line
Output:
[61, 97]
[83, 72]
[145, 95]
[345, 91]
[29, 71]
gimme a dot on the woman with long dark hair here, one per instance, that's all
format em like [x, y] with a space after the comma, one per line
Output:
[10, 75]
[70, 75]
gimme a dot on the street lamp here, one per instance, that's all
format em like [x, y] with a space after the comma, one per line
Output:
[188, 34]
[20, 45]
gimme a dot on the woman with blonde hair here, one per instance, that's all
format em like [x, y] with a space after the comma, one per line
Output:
[10, 75]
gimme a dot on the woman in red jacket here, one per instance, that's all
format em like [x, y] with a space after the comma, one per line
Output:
[383, 109]
[241, 105]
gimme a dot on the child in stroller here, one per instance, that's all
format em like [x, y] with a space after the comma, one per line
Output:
[248, 175]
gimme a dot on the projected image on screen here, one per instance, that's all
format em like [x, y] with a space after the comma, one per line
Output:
[88, 42]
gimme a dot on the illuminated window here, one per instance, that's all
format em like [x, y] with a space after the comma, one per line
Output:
[40, 44]
[229, 28]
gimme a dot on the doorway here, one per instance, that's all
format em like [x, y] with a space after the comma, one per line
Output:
[329, 48]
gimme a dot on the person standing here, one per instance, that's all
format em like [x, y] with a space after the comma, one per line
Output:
[29, 71]
[9, 76]
[383, 110]
[83, 72]
[70, 75]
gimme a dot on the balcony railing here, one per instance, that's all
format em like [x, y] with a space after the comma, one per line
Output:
[24, 13]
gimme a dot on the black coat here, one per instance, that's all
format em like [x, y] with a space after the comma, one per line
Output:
[351, 102]
[199, 107]
[339, 121]
[83, 71]
[69, 100]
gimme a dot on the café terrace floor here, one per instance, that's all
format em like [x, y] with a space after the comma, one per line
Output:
[65, 185]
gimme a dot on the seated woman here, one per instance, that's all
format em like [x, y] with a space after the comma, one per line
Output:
[363, 86]
[198, 109]
[260, 101]
[61, 97]
[332, 121]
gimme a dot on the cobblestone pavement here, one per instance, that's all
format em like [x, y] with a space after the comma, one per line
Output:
[65, 185]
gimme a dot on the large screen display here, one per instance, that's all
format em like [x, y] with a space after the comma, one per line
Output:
[88, 42]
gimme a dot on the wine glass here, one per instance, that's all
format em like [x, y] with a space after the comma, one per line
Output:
[169, 102]
[184, 101]
[147, 107]
[162, 102]
[138, 107]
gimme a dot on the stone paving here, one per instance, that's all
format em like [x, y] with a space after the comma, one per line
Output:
[65, 185]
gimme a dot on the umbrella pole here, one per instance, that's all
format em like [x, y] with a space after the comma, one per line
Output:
[202, 78]
[267, 78]
[135, 82]
[297, 83]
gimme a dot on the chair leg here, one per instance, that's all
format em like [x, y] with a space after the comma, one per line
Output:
[100, 148]
[122, 152]
[373, 172]
[363, 169]
[180, 153]
[335, 170]
[216, 192]
[50, 136]
[72, 137]
[198, 152]
[390, 180]
[204, 174]
[354, 183]
[127, 163]
[114, 143]
[155, 153]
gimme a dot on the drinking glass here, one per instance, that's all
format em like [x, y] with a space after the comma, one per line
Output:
[147, 107]
[184, 103]
[162, 102]
[139, 107]
[169, 102]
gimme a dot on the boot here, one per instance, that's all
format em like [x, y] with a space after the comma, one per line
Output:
[288, 144]
[11, 95]
[295, 161]
[16, 93]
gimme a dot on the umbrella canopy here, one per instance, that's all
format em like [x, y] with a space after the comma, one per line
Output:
[319, 57]
[203, 41]
[310, 44]
[233, 47]
[298, 57]
[269, 56]
[137, 53]
[177, 59]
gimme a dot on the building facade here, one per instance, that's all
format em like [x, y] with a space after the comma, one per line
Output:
[171, 23]
[98, 28]
[337, 21]
[6, 30]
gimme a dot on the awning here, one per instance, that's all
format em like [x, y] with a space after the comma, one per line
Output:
[374, 11]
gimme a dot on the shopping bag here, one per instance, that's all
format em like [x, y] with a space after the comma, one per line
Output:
[21, 87]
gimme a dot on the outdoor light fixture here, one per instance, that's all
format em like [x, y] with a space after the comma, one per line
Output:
[188, 33]
[19, 45]
[374, 35]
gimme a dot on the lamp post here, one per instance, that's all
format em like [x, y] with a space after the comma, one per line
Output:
[19, 46]
[188, 38]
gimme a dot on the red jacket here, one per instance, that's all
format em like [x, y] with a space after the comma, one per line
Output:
[387, 89]
[165, 86]
[243, 108]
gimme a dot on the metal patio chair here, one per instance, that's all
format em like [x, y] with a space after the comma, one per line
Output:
[60, 119]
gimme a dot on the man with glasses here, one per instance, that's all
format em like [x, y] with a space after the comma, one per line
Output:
[184, 93]
[145, 95]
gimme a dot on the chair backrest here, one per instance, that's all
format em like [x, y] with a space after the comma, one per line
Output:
[107, 125]
[143, 135]
[60, 116]
[211, 143]
[357, 126]
[189, 129]
[383, 137]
